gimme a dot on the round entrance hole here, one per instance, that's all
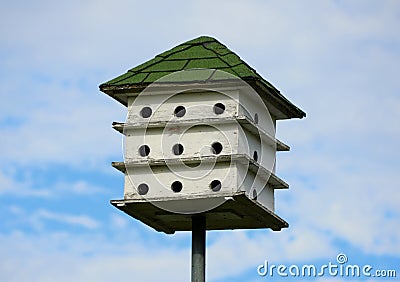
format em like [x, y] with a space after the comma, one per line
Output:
[219, 108]
[176, 186]
[216, 148]
[143, 188]
[144, 150]
[180, 111]
[215, 185]
[177, 149]
[146, 112]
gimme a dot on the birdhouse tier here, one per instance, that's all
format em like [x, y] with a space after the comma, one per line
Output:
[204, 53]
[208, 177]
[245, 123]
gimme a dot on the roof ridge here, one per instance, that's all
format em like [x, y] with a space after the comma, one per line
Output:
[200, 40]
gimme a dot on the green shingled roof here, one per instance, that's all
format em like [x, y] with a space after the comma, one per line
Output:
[200, 53]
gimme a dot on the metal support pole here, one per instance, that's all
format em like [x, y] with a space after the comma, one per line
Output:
[198, 249]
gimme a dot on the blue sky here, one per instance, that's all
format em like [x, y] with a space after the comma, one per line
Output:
[337, 60]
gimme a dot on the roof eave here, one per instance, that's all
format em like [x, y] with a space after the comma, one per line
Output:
[121, 92]
[276, 99]
[269, 93]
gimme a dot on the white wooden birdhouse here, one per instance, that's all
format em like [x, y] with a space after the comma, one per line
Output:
[199, 138]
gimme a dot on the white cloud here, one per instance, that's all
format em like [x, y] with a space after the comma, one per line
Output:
[91, 36]
[67, 127]
[10, 185]
[342, 171]
[79, 220]
[88, 257]
[344, 158]
[234, 252]
[41, 218]
[119, 221]
[66, 257]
